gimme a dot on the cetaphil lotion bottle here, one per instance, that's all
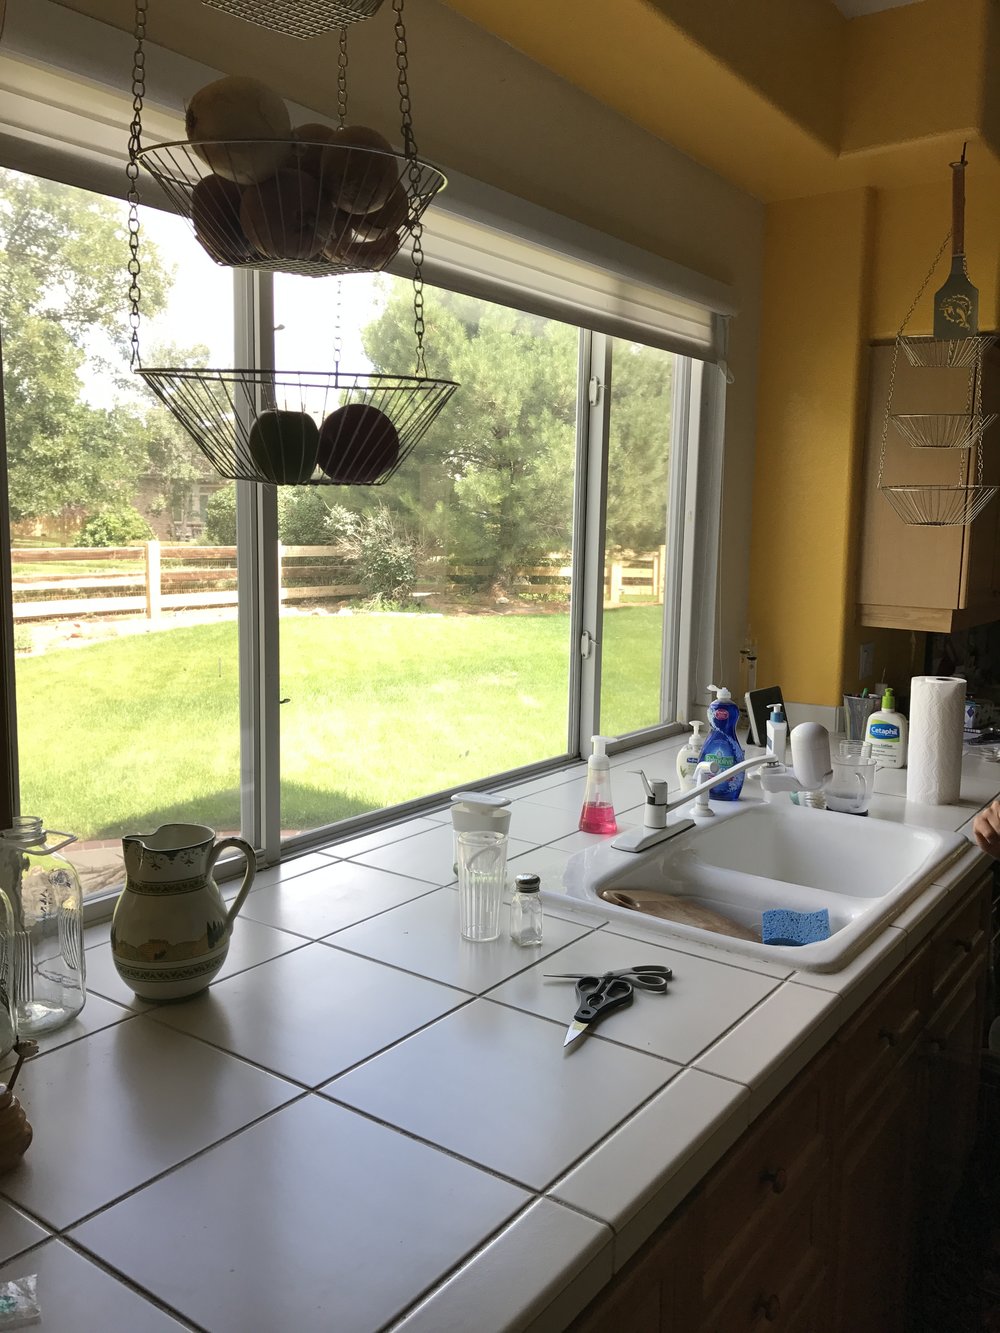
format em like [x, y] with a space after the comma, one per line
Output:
[886, 734]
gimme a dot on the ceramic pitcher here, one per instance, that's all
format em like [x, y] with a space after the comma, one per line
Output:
[171, 929]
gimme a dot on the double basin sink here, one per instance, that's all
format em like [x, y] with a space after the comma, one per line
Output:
[730, 870]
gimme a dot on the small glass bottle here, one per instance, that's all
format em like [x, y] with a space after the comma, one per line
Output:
[47, 906]
[526, 911]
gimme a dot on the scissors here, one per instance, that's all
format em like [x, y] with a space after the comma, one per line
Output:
[601, 994]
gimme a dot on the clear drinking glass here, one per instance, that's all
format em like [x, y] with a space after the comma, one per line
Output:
[47, 904]
[482, 877]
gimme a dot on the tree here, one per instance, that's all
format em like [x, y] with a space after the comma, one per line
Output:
[220, 517]
[169, 453]
[76, 433]
[505, 444]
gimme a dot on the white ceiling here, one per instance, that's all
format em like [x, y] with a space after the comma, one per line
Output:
[853, 9]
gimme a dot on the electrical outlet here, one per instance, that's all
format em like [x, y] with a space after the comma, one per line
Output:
[866, 661]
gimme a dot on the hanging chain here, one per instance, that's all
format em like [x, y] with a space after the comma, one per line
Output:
[895, 356]
[132, 172]
[338, 345]
[342, 79]
[413, 177]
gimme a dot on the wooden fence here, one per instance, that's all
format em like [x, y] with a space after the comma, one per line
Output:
[163, 575]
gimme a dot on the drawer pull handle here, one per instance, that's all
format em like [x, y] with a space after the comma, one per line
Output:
[964, 945]
[778, 1179]
[769, 1307]
[890, 1038]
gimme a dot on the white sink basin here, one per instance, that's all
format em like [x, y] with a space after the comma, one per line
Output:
[864, 871]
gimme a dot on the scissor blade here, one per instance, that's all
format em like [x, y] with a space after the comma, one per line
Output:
[575, 1029]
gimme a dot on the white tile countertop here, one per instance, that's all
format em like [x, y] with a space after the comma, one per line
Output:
[367, 1123]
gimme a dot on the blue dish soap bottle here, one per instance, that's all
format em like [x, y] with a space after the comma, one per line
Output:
[722, 748]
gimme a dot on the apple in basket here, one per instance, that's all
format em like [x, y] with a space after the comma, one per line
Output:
[357, 443]
[285, 217]
[358, 181]
[229, 123]
[215, 213]
[283, 446]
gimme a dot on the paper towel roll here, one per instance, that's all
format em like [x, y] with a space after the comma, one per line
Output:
[934, 760]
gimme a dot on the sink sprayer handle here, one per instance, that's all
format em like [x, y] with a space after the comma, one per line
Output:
[251, 858]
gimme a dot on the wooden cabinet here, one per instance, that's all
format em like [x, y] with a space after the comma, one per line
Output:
[813, 1221]
[927, 578]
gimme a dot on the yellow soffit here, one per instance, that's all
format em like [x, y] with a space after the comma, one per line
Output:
[781, 110]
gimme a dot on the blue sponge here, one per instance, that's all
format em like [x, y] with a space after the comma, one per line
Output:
[785, 927]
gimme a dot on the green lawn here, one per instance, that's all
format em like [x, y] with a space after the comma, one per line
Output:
[123, 735]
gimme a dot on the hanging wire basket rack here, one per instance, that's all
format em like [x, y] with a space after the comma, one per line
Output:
[942, 430]
[939, 506]
[301, 427]
[349, 205]
[942, 353]
[298, 18]
[313, 207]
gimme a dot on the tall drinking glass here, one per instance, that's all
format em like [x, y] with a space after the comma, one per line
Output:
[482, 876]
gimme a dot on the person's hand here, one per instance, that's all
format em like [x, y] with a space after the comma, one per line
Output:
[986, 827]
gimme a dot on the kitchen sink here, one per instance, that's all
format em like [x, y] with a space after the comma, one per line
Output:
[730, 870]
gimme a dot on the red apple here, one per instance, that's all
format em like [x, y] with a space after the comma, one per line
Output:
[357, 443]
[215, 213]
[284, 217]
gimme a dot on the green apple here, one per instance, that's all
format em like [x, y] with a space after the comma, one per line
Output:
[283, 446]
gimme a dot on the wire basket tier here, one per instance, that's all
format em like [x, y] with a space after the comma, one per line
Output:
[942, 430]
[930, 352]
[298, 18]
[938, 506]
[313, 207]
[301, 427]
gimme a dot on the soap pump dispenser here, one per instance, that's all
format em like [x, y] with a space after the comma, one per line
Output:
[689, 755]
[598, 812]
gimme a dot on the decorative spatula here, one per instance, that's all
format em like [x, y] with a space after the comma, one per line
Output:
[956, 304]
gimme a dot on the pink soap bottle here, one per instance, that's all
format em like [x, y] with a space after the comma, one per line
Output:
[598, 813]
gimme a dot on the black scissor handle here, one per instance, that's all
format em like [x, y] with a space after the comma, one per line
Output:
[600, 996]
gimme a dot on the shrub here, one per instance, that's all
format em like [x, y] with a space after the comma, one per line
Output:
[386, 554]
[307, 518]
[220, 518]
[115, 525]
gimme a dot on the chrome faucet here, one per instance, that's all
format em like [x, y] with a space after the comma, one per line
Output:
[655, 827]
[811, 770]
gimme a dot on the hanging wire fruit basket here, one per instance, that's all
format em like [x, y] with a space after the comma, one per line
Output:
[298, 18]
[942, 430]
[301, 427]
[939, 506]
[314, 207]
[951, 352]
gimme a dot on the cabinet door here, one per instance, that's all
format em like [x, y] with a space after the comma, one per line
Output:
[952, 1048]
[876, 1210]
[914, 577]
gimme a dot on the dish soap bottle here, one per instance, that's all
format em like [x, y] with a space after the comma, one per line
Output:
[689, 755]
[722, 748]
[885, 732]
[598, 813]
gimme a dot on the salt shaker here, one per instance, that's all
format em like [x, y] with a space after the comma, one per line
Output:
[526, 911]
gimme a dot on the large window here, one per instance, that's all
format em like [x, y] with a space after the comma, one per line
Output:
[280, 660]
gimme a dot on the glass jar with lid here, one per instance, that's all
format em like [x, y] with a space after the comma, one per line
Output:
[46, 902]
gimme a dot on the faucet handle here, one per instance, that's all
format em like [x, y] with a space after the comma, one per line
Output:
[656, 791]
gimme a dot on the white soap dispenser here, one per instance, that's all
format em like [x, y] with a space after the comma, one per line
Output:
[777, 733]
[688, 756]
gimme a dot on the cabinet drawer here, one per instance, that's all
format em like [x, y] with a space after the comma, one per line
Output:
[881, 1035]
[753, 1192]
[962, 932]
[786, 1286]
